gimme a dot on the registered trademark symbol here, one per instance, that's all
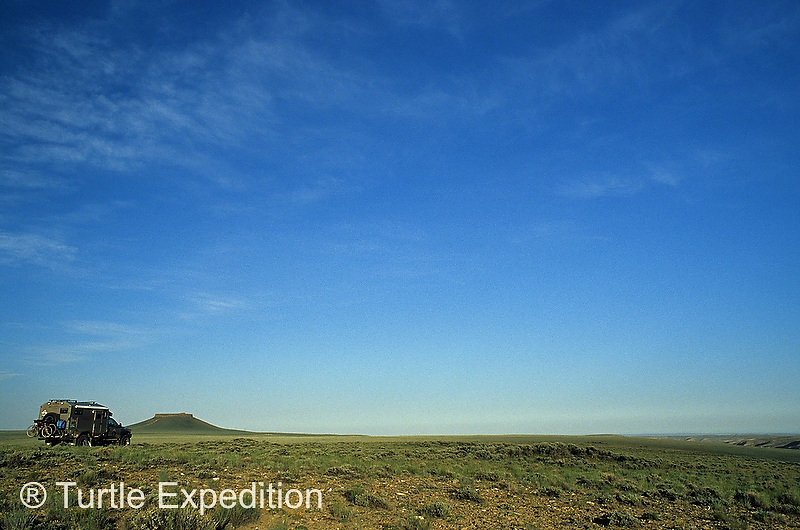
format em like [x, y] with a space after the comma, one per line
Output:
[33, 495]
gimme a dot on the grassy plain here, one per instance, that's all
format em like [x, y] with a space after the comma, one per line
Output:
[514, 482]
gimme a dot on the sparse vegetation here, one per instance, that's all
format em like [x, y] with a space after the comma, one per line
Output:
[360, 497]
[618, 519]
[467, 493]
[19, 519]
[437, 509]
[158, 519]
[417, 483]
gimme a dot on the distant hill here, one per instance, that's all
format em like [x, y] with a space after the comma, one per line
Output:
[748, 440]
[778, 442]
[178, 423]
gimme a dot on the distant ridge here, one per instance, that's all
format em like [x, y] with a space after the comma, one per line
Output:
[181, 422]
[780, 441]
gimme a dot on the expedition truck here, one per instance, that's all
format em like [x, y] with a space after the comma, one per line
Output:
[79, 423]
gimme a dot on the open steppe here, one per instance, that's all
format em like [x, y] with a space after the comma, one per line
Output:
[467, 482]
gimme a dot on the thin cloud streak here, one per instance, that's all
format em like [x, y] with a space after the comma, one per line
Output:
[427, 15]
[216, 304]
[35, 249]
[173, 107]
[113, 337]
[602, 187]
[55, 355]
[100, 328]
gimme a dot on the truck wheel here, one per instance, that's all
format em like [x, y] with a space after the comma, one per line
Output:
[125, 440]
[83, 440]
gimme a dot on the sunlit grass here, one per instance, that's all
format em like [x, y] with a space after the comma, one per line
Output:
[632, 482]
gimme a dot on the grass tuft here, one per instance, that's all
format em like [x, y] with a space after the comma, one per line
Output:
[618, 519]
[19, 520]
[358, 496]
[467, 493]
[160, 519]
[436, 509]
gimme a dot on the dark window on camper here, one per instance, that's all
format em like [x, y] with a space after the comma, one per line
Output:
[63, 411]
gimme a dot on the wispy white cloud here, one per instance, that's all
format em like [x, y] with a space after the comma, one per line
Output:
[36, 249]
[543, 231]
[646, 177]
[8, 375]
[101, 328]
[629, 55]
[240, 90]
[30, 180]
[664, 175]
[763, 27]
[429, 15]
[94, 337]
[215, 304]
[117, 118]
[600, 187]
[55, 240]
[54, 355]
[189, 109]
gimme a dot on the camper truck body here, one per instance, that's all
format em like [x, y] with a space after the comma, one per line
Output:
[79, 423]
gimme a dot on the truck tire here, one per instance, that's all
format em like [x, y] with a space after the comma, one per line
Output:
[124, 440]
[83, 440]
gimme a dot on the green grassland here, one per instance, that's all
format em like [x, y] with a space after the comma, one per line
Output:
[530, 482]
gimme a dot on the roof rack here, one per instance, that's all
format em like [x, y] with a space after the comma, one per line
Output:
[79, 403]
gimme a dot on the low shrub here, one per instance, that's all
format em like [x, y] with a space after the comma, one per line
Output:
[436, 509]
[236, 516]
[158, 519]
[750, 499]
[618, 518]
[467, 493]
[340, 512]
[360, 497]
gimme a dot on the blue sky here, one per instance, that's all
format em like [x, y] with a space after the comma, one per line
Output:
[403, 217]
